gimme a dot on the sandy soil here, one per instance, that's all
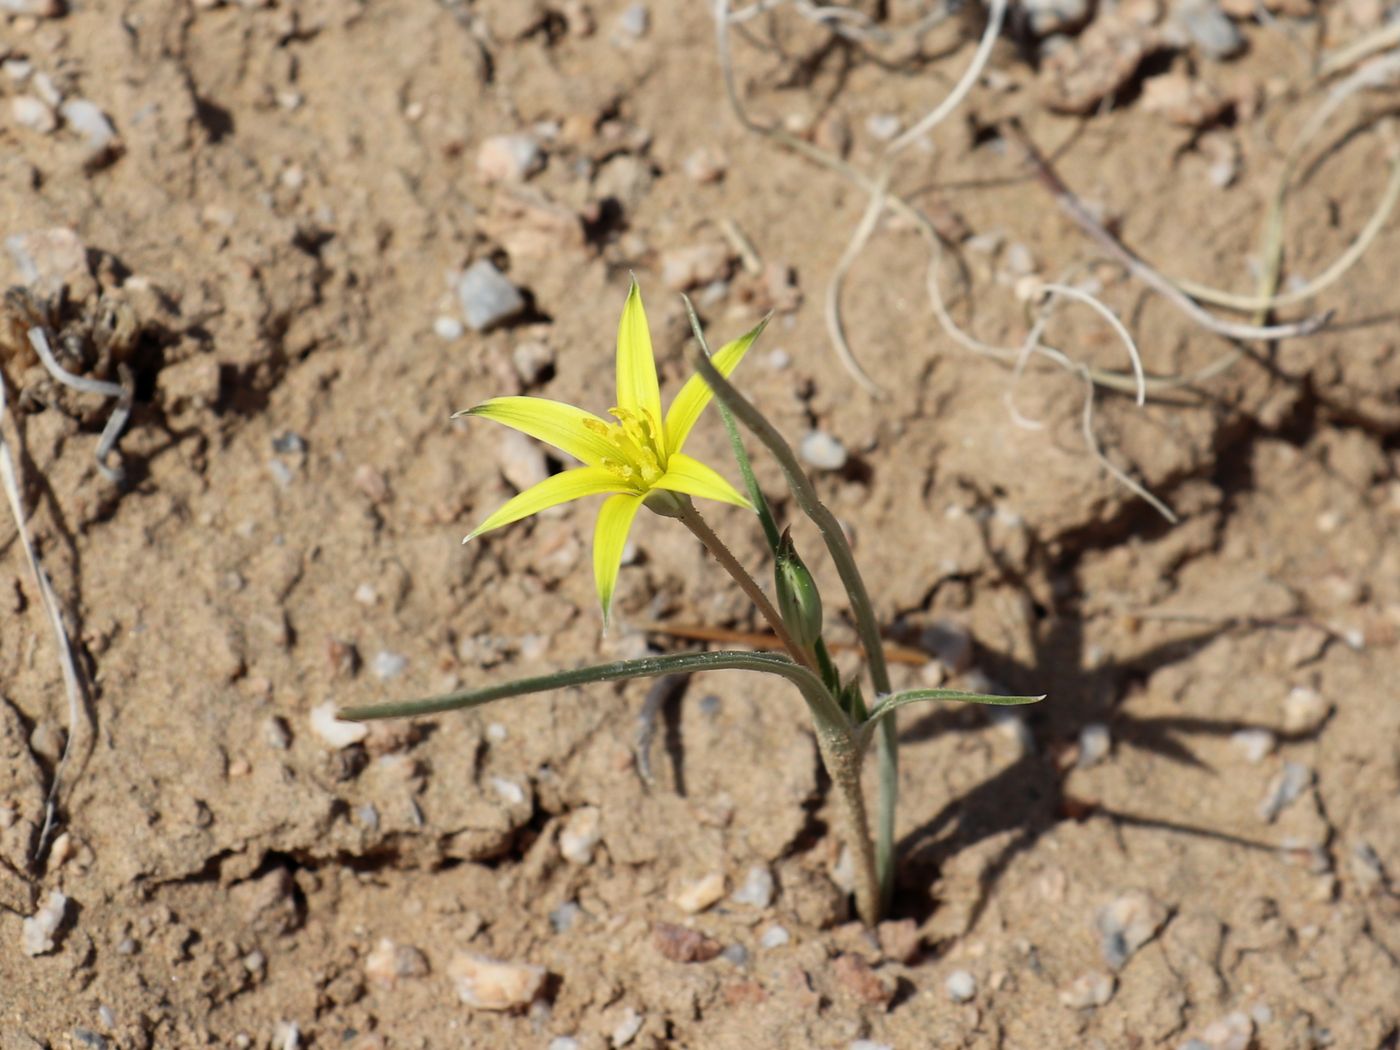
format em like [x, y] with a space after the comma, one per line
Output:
[269, 247]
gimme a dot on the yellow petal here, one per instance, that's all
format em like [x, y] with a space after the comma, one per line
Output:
[609, 537]
[565, 427]
[688, 475]
[571, 484]
[637, 389]
[696, 393]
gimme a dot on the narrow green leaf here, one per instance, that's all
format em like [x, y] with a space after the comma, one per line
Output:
[919, 696]
[736, 442]
[646, 667]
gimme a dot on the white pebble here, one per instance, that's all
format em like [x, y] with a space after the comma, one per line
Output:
[1254, 744]
[1304, 710]
[33, 113]
[757, 890]
[491, 984]
[774, 937]
[332, 730]
[627, 1029]
[1094, 744]
[1285, 788]
[883, 126]
[563, 1042]
[511, 792]
[1088, 990]
[580, 834]
[695, 897]
[388, 963]
[387, 665]
[88, 120]
[509, 158]
[488, 298]
[819, 449]
[870, 1044]
[448, 329]
[961, 986]
[635, 20]
[37, 931]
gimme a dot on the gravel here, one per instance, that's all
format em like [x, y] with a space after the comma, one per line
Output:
[488, 299]
[820, 450]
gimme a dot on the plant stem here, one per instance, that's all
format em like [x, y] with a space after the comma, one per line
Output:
[866, 625]
[692, 520]
[842, 759]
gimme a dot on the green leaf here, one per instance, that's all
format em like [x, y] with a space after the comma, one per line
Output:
[919, 696]
[646, 667]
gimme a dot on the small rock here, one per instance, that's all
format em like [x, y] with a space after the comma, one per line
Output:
[833, 134]
[682, 944]
[634, 21]
[268, 904]
[488, 298]
[700, 264]
[883, 126]
[626, 1029]
[869, 1044]
[387, 665]
[705, 165]
[48, 260]
[1232, 1032]
[1088, 990]
[562, 918]
[563, 1042]
[757, 888]
[1254, 744]
[580, 835]
[388, 963]
[1285, 788]
[490, 984]
[1094, 744]
[522, 460]
[950, 643]
[695, 897]
[1206, 25]
[289, 443]
[736, 954]
[33, 8]
[819, 449]
[511, 793]
[37, 933]
[774, 937]
[855, 975]
[88, 120]
[448, 329]
[1128, 922]
[534, 362]
[1304, 711]
[509, 158]
[1055, 16]
[333, 731]
[33, 113]
[372, 483]
[961, 986]
[900, 940]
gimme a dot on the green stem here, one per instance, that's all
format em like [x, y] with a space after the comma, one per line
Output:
[866, 624]
[690, 517]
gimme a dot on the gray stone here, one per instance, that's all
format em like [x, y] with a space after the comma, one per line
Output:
[1208, 28]
[488, 298]
[819, 449]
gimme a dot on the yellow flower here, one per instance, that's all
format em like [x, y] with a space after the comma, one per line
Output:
[636, 457]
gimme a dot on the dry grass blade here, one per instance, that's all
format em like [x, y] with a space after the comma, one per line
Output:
[72, 683]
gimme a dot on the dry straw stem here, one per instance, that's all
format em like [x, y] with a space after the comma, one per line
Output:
[71, 682]
[116, 422]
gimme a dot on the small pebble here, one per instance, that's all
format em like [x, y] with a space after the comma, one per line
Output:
[757, 888]
[37, 932]
[562, 918]
[774, 937]
[778, 359]
[522, 460]
[736, 954]
[387, 665]
[635, 20]
[580, 834]
[389, 963]
[961, 986]
[33, 113]
[1254, 744]
[697, 896]
[289, 442]
[1304, 710]
[695, 265]
[332, 730]
[509, 158]
[1285, 788]
[1094, 744]
[1055, 16]
[563, 1042]
[626, 1030]
[47, 260]
[820, 450]
[1208, 27]
[488, 298]
[88, 120]
[704, 165]
[511, 793]
[1126, 923]
[534, 362]
[682, 944]
[870, 1044]
[1232, 1032]
[491, 984]
[883, 126]
[448, 329]
[1088, 990]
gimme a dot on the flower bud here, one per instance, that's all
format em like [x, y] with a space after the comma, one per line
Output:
[799, 601]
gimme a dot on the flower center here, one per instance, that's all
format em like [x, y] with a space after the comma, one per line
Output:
[640, 460]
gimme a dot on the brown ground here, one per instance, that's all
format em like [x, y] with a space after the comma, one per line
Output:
[295, 186]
